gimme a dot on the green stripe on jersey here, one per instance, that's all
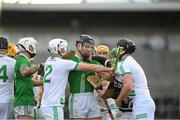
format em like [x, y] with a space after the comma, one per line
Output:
[132, 93]
[122, 70]
[126, 73]
[62, 101]
[82, 83]
[140, 116]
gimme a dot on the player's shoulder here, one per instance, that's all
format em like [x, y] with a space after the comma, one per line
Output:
[52, 59]
[75, 58]
[128, 60]
[130, 63]
[64, 61]
[59, 61]
[21, 58]
[12, 60]
[9, 59]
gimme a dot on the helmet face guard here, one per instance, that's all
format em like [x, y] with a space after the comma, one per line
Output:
[58, 47]
[84, 40]
[28, 44]
[62, 48]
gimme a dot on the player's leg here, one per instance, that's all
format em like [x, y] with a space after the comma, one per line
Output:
[144, 109]
[77, 106]
[94, 112]
[6, 111]
[24, 112]
[52, 113]
[125, 116]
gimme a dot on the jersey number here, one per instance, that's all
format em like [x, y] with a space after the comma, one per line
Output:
[3, 73]
[48, 71]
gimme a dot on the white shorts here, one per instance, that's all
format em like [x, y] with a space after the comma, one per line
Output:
[83, 105]
[24, 110]
[52, 113]
[125, 116]
[6, 111]
[143, 109]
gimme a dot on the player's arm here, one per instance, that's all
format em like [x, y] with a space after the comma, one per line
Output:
[37, 79]
[92, 67]
[40, 95]
[107, 75]
[38, 82]
[127, 86]
[27, 71]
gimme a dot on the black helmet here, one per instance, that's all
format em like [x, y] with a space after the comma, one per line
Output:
[84, 38]
[3, 43]
[127, 44]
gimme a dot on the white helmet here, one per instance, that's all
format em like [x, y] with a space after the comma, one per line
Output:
[28, 44]
[58, 46]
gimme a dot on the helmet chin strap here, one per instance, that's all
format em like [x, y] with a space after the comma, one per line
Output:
[49, 51]
[32, 54]
[79, 49]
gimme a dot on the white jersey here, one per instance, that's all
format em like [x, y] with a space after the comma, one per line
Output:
[130, 66]
[6, 78]
[55, 81]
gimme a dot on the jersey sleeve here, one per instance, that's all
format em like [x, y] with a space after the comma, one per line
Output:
[71, 65]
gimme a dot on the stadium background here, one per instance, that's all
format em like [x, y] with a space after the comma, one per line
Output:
[154, 25]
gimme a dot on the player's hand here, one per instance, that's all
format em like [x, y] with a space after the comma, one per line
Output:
[100, 93]
[43, 64]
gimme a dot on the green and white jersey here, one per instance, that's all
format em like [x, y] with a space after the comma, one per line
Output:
[23, 94]
[55, 81]
[6, 78]
[130, 66]
[77, 79]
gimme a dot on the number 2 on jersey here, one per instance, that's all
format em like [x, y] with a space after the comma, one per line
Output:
[3, 73]
[47, 73]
